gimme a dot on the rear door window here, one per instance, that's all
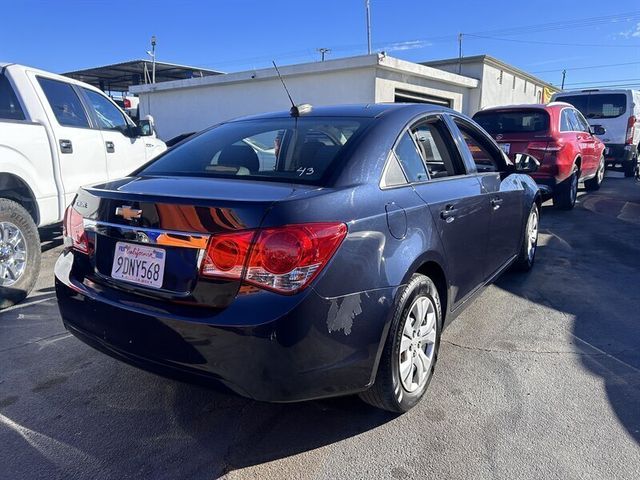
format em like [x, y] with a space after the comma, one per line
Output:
[64, 102]
[280, 149]
[506, 122]
[434, 141]
[10, 108]
[410, 159]
[598, 105]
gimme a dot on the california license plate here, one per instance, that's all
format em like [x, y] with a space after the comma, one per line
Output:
[505, 147]
[138, 264]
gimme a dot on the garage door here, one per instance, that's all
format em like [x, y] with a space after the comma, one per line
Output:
[407, 96]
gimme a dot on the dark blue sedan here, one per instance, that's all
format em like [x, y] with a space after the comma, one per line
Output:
[298, 256]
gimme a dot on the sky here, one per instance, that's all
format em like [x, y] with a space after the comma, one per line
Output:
[597, 42]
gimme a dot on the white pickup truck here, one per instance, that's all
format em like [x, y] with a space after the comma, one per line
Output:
[56, 135]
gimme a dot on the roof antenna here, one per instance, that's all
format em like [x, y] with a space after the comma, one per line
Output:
[296, 110]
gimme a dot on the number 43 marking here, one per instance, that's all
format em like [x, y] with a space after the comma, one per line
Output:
[305, 171]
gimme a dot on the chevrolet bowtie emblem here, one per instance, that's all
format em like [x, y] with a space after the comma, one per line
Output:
[128, 213]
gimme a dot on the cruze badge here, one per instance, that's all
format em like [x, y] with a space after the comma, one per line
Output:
[128, 213]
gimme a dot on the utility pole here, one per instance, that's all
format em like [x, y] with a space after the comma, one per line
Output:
[368, 7]
[323, 51]
[153, 59]
[459, 53]
[564, 74]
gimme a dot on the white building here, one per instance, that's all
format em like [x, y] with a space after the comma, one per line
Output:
[500, 83]
[190, 105]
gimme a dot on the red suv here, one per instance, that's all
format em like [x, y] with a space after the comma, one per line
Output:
[559, 137]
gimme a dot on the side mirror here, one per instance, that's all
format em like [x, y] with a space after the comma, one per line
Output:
[597, 130]
[526, 163]
[144, 128]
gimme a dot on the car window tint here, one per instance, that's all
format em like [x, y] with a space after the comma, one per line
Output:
[9, 106]
[584, 125]
[430, 138]
[598, 105]
[64, 102]
[483, 158]
[573, 120]
[521, 121]
[410, 159]
[107, 114]
[565, 121]
[279, 149]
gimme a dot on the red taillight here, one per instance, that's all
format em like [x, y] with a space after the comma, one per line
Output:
[73, 230]
[127, 103]
[284, 259]
[631, 125]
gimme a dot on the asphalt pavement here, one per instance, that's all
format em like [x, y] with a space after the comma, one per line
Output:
[539, 378]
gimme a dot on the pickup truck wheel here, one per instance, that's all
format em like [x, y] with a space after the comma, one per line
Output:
[19, 253]
[566, 193]
[411, 348]
[595, 182]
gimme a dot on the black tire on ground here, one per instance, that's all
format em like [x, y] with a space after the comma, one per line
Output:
[525, 262]
[565, 194]
[594, 183]
[388, 392]
[630, 167]
[14, 213]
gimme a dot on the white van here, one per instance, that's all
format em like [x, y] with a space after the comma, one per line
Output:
[618, 111]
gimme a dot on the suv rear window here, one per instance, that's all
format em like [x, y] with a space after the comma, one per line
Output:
[598, 105]
[278, 149]
[518, 121]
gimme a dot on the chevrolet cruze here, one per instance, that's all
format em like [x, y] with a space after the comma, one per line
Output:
[299, 255]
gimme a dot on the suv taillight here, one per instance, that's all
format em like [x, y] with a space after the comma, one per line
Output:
[631, 125]
[127, 103]
[283, 259]
[73, 230]
[545, 146]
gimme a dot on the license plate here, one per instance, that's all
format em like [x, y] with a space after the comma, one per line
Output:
[505, 147]
[138, 264]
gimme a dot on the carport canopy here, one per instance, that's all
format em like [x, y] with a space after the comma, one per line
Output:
[120, 76]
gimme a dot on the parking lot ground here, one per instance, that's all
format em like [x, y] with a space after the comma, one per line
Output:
[539, 378]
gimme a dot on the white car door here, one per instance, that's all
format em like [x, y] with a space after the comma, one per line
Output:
[125, 152]
[80, 148]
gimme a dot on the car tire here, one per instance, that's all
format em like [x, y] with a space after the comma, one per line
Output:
[630, 168]
[527, 256]
[19, 253]
[594, 183]
[394, 389]
[565, 194]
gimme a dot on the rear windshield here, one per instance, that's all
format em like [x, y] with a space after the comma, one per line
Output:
[598, 105]
[520, 121]
[280, 149]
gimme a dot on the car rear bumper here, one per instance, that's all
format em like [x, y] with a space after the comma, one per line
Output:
[264, 346]
[618, 153]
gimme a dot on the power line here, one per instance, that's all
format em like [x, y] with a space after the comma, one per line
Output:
[555, 44]
[588, 67]
[606, 81]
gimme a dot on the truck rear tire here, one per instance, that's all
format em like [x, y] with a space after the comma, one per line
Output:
[19, 253]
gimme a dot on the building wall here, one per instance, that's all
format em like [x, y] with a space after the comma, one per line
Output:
[387, 82]
[500, 87]
[182, 110]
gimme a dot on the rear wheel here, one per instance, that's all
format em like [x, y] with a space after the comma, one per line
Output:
[19, 253]
[566, 193]
[527, 255]
[630, 168]
[595, 182]
[411, 348]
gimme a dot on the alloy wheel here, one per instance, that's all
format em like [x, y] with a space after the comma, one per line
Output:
[532, 234]
[417, 347]
[13, 254]
[601, 171]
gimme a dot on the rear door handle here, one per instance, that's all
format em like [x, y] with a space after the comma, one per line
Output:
[110, 147]
[448, 214]
[496, 202]
[66, 146]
